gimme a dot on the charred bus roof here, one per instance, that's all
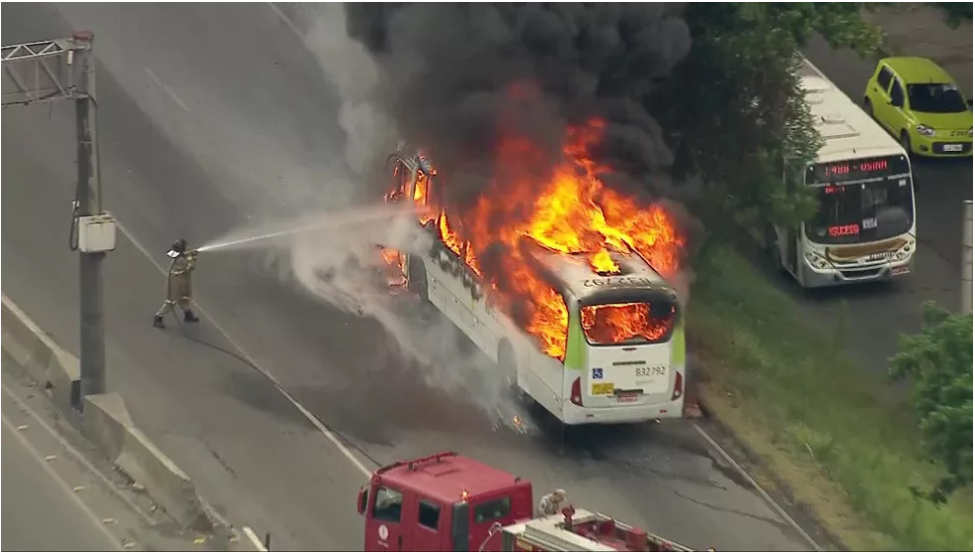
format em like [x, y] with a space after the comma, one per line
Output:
[574, 276]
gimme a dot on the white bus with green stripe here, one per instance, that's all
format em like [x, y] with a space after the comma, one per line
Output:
[611, 373]
[607, 374]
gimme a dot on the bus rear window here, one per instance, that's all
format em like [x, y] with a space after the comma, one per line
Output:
[627, 323]
[492, 510]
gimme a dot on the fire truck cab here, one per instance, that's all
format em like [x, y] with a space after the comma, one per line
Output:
[448, 502]
[443, 502]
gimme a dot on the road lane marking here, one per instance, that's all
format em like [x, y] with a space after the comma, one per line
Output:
[287, 21]
[76, 455]
[167, 90]
[254, 539]
[95, 520]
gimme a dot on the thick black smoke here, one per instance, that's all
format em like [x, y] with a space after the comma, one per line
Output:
[458, 77]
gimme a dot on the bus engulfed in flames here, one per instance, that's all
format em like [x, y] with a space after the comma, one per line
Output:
[571, 212]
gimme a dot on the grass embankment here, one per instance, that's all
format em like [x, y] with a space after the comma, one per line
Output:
[815, 419]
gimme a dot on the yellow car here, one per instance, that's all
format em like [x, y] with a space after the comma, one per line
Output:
[922, 106]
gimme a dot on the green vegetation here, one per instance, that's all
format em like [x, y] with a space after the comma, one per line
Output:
[746, 113]
[955, 12]
[790, 393]
[939, 361]
[787, 390]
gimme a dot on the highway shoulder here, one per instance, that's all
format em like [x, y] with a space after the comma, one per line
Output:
[61, 495]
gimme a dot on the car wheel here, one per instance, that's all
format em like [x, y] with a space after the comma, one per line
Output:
[868, 107]
[906, 142]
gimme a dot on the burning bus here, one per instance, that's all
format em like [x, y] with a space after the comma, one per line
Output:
[572, 301]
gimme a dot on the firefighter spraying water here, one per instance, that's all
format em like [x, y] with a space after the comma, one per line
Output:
[179, 284]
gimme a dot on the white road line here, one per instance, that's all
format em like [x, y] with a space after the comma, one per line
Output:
[95, 519]
[252, 537]
[81, 459]
[168, 91]
[768, 498]
[287, 21]
[267, 374]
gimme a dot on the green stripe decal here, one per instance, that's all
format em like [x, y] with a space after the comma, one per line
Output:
[575, 348]
[678, 347]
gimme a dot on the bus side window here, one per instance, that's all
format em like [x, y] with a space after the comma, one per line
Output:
[401, 178]
[388, 505]
[429, 515]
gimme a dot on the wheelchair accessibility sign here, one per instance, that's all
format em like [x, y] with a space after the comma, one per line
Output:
[597, 373]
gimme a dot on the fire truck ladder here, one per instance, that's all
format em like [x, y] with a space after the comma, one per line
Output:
[549, 533]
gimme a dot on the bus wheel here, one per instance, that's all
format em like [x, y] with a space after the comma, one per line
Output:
[418, 279]
[868, 107]
[772, 249]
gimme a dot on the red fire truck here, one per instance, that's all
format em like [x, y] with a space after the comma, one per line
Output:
[448, 502]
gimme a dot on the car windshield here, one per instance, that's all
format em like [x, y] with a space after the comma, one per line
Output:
[936, 98]
[861, 212]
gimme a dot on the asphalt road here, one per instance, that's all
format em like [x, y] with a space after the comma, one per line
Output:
[38, 505]
[874, 315]
[58, 497]
[206, 112]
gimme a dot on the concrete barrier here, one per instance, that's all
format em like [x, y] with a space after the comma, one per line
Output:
[40, 356]
[104, 420]
[107, 423]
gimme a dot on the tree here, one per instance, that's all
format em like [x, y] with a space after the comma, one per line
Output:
[939, 361]
[735, 110]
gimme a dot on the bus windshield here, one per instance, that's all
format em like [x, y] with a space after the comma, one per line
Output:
[861, 200]
[632, 323]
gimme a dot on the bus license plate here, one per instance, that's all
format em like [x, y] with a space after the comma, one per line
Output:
[626, 397]
[603, 388]
[952, 148]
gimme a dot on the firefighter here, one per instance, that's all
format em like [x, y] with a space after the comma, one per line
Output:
[179, 285]
[550, 503]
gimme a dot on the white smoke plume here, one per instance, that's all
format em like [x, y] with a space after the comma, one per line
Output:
[344, 267]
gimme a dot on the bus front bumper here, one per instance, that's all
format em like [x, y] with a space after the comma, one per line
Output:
[622, 414]
[832, 276]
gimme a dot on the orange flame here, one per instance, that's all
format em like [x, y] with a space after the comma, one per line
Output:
[570, 212]
[616, 323]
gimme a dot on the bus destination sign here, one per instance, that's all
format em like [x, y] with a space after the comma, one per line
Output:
[850, 172]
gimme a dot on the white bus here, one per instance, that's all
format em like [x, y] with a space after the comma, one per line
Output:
[606, 372]
[864, 229]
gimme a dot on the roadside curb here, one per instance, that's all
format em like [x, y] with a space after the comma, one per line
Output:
[104, 420]
[751, 460]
